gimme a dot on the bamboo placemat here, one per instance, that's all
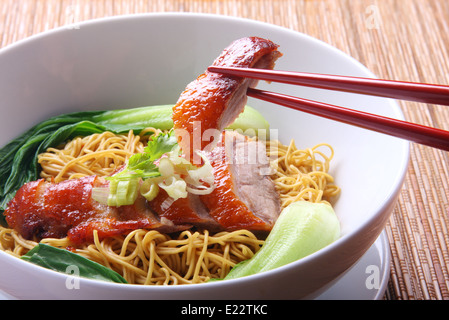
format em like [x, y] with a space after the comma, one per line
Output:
[403, 40]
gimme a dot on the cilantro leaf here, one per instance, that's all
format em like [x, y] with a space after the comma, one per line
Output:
[141, 165]
[160, 145]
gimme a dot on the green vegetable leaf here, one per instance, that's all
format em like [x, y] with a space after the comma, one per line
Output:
[63, 260]
[161, 144]
[18, 159]
[302, 228]
[139, 161]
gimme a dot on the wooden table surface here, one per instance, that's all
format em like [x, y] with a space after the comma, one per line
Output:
[402, 40]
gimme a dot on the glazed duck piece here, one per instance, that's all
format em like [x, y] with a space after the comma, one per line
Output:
[213, 101]
[244, 196]
[42, 209]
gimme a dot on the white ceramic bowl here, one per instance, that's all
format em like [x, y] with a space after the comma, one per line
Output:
[148, 59]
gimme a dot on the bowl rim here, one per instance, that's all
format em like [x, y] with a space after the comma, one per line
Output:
[398, 181]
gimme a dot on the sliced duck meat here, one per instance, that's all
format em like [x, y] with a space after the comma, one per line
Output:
[244, 196]
[183, 211]
[213, 101]
[42, 209]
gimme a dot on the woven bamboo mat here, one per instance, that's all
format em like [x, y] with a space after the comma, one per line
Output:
[403, 40]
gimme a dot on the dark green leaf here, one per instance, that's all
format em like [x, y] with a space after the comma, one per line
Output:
[60, 260]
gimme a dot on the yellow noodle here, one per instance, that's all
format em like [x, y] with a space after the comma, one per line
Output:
[149, 257]
[302, 174]
[98, 154]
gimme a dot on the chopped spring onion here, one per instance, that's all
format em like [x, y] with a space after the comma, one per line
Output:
[166, 167]
[174, 186]
[123, 192]
[149, 190]
[160, 166]
[200, 181]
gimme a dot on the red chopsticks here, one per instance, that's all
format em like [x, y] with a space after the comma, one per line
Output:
[412, 91]
[433, 137]
[429, 136]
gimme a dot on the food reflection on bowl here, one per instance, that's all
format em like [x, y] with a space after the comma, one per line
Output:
[76, 70]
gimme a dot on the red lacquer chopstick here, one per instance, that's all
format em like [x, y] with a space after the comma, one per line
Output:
[420, 92]
[429, 136]
[412, 91]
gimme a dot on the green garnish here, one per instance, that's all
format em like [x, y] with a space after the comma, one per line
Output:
[141, 165]
[124, 186]
[60, 260]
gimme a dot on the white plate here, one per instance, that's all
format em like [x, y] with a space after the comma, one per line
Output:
[367, 279]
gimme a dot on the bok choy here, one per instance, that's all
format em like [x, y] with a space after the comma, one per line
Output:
[62, 260]
[302, 228]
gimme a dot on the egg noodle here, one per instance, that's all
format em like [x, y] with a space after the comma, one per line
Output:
[302, 174]
[97, 154]
[153, 258]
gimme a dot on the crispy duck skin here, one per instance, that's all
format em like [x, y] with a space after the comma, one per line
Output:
[42, 209]
[214, 101]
